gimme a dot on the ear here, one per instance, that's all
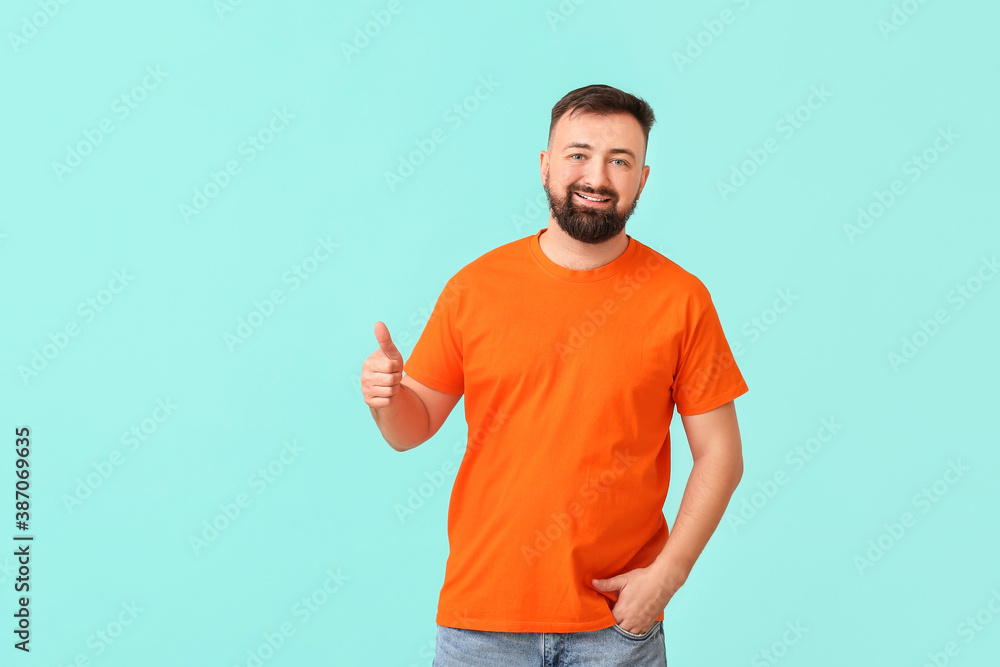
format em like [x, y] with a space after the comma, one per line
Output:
[642, 180]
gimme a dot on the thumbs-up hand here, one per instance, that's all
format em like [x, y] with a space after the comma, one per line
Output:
[382, 371]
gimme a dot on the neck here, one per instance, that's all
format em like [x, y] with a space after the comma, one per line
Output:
[575, 255]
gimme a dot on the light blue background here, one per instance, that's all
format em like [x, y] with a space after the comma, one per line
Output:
[295, 379]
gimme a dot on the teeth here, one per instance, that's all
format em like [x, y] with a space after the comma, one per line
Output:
[589, 198]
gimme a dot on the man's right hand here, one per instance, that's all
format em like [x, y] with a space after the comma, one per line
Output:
[382, 372]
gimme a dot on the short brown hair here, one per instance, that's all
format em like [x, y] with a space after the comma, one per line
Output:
[602, 100]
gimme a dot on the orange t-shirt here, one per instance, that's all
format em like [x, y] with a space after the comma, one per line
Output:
[570, 381]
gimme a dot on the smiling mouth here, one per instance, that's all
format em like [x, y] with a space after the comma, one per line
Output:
[592, 199]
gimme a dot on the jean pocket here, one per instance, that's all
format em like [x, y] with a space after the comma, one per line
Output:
[634, 637]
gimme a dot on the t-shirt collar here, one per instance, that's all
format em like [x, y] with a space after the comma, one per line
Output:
[573, 275]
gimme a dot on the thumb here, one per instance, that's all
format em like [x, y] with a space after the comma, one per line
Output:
[612, 584]
[385, 341]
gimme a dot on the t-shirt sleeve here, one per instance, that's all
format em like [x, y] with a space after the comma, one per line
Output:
[707, 375]
[436, 359]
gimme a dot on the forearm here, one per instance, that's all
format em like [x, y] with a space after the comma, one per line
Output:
[710, 486]
[404, 423]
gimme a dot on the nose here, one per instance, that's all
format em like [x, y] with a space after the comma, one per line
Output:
[596, 177]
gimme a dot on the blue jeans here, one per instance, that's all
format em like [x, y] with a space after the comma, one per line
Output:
[612, 646]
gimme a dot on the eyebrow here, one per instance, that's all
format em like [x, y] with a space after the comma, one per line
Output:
[613, 150]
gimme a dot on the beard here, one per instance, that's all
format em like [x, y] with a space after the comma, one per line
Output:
[583, 223]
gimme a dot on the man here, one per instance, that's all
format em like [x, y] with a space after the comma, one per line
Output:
[572, 347]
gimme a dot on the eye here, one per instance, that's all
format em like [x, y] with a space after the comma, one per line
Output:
[624, 163]
[576, 154]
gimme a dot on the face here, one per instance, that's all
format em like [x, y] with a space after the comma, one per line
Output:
[600, 157]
